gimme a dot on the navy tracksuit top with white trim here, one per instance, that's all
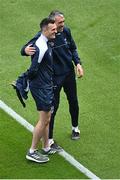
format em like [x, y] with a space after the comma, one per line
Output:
[64, 52]
[41, 71]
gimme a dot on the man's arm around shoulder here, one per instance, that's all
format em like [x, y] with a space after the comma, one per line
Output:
[28, 49]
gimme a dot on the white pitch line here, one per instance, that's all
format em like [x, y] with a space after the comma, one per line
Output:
[63, 153]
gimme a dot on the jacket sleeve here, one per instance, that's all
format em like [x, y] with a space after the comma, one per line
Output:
[34, 67]
[73, 49]
[32, 41]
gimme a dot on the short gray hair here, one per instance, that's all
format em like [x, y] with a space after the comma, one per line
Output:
[55, 13]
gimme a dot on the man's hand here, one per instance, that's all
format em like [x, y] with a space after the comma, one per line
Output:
[79, 70]
[29, 50]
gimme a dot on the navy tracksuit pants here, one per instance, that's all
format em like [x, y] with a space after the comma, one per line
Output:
[68, 83]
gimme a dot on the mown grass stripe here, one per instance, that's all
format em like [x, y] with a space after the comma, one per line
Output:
[64, 154]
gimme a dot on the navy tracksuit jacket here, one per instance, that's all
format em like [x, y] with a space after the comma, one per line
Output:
[64, 52]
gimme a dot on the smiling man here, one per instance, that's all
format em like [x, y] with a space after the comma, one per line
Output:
[41, 86]
[64, 55]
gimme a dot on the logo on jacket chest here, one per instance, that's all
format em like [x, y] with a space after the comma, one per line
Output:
[50, 53]
[65, 40]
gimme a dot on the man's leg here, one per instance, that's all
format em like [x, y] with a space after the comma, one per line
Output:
[45, 138]
[56, 105]
[40, 130]
[70, 90]
[58, 83]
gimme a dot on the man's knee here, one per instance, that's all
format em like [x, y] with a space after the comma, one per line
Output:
[45, 117]
[47, 122]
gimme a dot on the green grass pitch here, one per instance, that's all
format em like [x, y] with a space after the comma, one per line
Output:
[96, 29]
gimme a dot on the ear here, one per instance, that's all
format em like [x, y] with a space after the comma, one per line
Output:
[45, 29]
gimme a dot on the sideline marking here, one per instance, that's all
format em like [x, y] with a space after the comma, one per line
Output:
[63, 153]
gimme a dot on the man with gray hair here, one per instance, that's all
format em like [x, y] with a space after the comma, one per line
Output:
[64, 54]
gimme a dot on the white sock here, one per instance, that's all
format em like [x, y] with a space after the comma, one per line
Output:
[50, 141]
[46, 149]
[75, 129]
[32, 150]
